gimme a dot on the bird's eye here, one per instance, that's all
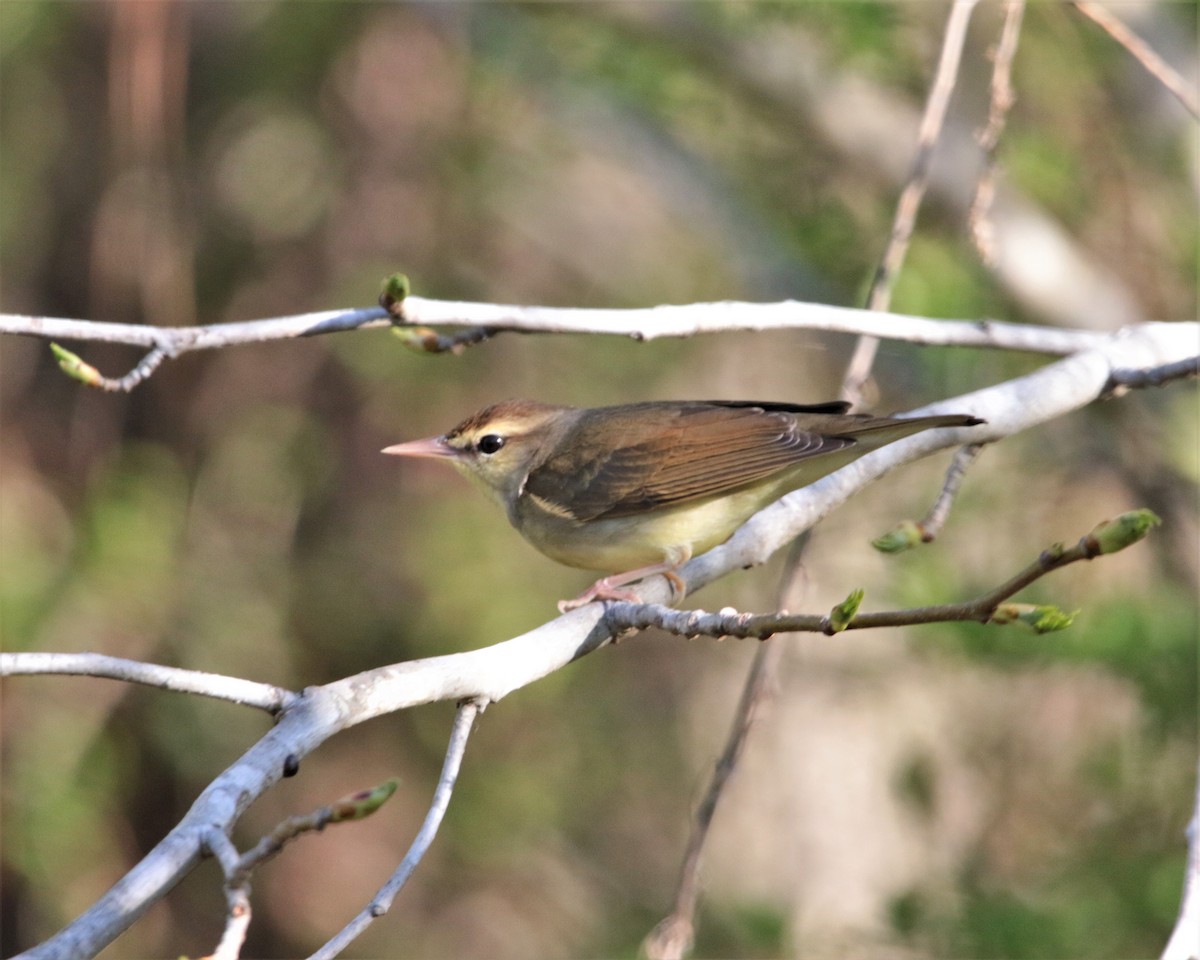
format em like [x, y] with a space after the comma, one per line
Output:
[489, 443]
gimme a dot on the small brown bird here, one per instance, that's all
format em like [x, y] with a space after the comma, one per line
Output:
[639, 489]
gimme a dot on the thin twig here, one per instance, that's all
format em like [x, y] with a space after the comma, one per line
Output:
[1108, 537]
[1162, 71]
[1122, 379]
[468, 710]
[265, 696]
[858, 371]
[146, 366]
[674, 935]
[428, 340]
[932, 525]
[1002, 98]
[354, 806]
[237, 896]
[239, 868]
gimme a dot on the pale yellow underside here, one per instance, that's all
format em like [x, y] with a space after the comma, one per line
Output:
[667, 535]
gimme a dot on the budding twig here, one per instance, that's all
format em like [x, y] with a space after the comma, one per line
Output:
[907, 533]
[238, 868]
[1107, 537]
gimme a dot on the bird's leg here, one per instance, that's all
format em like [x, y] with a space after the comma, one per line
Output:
[612, 587]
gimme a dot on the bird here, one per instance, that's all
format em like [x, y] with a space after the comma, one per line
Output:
[638, 489]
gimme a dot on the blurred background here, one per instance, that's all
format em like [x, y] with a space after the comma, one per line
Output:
[952, 791]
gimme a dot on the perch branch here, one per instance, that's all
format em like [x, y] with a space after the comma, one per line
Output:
[987, 608]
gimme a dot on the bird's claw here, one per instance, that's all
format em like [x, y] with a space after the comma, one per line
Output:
[605, 590]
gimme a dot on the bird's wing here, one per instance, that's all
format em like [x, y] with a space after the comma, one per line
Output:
[675, 452]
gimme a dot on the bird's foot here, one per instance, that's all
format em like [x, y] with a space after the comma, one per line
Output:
[615, 588]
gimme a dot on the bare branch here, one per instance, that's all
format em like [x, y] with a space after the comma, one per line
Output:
[237, 896]
[880, 296]
[1162, 71]
[176, 340]
[1185, 369]
[265, 696]
[1002, 99]
[468, 710]
[485, 319]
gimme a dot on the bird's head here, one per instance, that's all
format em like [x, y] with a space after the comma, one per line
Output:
[497, 446]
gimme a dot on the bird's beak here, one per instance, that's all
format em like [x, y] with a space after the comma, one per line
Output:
[435, 447]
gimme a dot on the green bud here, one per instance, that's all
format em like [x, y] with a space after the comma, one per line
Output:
[74, 367]
[355, 806]
[1037, 618]
[841, 615]
[1121, 532]
[420, 339]
[395, 289]
[904, 536]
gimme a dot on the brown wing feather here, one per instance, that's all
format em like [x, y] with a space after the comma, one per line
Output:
[674, 452]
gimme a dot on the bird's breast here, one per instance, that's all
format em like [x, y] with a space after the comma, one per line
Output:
[618, 544]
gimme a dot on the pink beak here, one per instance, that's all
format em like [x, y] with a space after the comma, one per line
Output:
[435, 447]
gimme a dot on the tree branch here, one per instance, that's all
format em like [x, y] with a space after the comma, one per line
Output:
[1123, 379]
[464, 720]
[624, 616]
[265, 696]
[237, 897]
[485, 319]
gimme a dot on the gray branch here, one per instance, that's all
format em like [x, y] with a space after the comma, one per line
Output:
[647, 323]
[265, 696]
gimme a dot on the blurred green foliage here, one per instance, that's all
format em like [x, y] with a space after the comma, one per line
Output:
[956, 791]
